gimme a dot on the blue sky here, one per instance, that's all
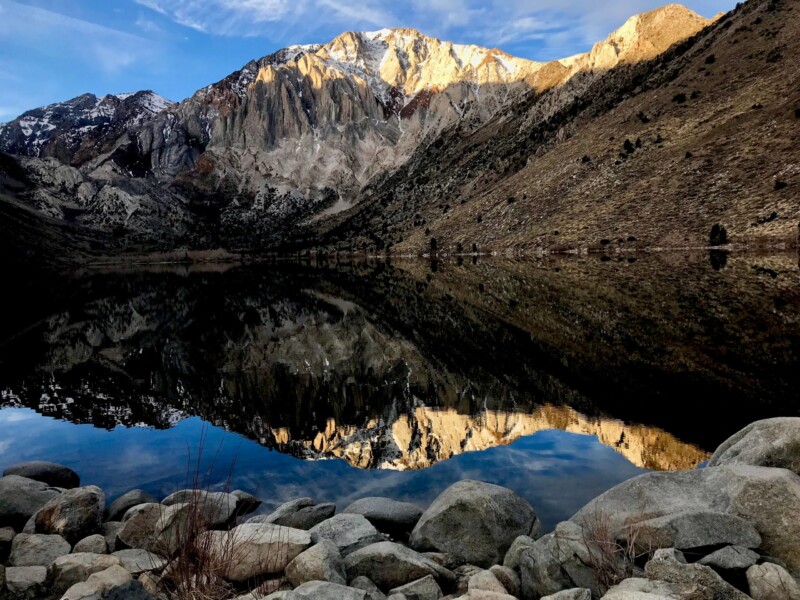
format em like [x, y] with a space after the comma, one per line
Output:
[52, 50]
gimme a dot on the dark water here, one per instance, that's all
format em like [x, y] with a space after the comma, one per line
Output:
[558, 378]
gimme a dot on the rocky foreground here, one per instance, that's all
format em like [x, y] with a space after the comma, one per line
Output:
[727, 531]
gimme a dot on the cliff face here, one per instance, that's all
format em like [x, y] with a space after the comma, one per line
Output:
[298, 137]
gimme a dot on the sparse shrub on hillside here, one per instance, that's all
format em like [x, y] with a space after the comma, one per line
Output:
[689, 155]
[679, 98]
[774, 56]
[711, 59]
[628, 147]
[474, 248]
[779, 185]
[719, 235]
[434, 245]
[479, 219]
[511, 200]
[797, 113]
[643, 117]
[586, 159]
[638, 143]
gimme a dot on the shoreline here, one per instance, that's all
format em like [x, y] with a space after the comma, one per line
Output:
[720, 528]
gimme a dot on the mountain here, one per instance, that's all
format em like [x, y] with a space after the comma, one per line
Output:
[293, 143]
[653, 154]
[70, 131]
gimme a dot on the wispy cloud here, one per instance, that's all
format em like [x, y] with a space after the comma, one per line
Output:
[574, 24]
[95, 45]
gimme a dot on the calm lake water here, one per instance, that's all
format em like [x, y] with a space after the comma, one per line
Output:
[558, 378]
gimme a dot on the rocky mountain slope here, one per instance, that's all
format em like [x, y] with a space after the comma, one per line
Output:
[300, 136]
[651, 154]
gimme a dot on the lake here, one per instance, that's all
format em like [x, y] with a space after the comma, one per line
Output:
[557, 377]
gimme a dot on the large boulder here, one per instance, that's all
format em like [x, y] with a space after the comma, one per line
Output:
[576, 594]
[245, 503]
[349, 532]
[767, 498]
[390, 565]
[730, 558]
[323, 590]
[486, 581]
[694, 529]
[20, 498]
[389, 516]
[37, 550]
[128, 500]
[254, 549]
[29, 583]
[637, 588]
[284, 510]
[769, 581]
[518, 546]
[114, 583]
[692, 580]
[74, 514]
[321, 562]
[181, 522]
[138, 530]
[570, 557]
[769, 443]
[109, 530]
[74, 568]
[474, 521]
[50, 473]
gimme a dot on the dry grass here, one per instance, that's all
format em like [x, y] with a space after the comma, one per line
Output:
[612, 559]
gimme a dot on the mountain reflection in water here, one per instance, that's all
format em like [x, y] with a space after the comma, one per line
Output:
[395, 366]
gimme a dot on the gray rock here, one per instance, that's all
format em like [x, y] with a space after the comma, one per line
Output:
[695, 529]
[255, 549]
[349, 532]
[74, 514]
[180, 521]
[739, 490]
[151, 583]
[574, 594]
[391, 565]
[26, 582]
[128, 500]
[321, 562]
[246, 503]
[485, 595]
[474, 521]
[308, 517]
[421, 589]
[115, 583]
[730, 558]
[93, 544]
[137, 561]
[566, 559]
[37, 550]
[520, 544]
[323, 590]
[508, 577]
[701, 581]
[68, 570]
[487, 582]
[20, 498]
[639, 589]
[50, 473]
[139, 528]
[769, 581]
[463, 574]
[287, 508]
[768, 443]
[6, 537]
[109, 531]
[388, 516]
[366, 584]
